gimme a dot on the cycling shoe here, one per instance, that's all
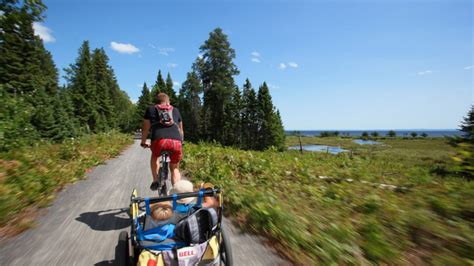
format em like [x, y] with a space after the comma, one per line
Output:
[154, 186]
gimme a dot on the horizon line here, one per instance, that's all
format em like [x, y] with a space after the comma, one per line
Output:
[399, 129]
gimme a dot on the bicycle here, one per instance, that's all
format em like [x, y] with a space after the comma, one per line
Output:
[163, 174]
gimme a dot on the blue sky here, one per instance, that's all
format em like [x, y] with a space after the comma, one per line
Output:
[329, 64]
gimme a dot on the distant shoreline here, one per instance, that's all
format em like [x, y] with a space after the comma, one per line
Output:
[382, 132]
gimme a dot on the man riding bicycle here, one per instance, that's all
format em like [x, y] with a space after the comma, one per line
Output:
[166, 135]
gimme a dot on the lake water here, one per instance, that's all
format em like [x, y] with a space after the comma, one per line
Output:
[400, 132]
[320, 148]
[366, 142]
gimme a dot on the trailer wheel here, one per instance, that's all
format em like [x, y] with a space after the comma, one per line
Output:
[122, 252]
[225, 249]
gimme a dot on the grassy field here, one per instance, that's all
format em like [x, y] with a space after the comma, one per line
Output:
[30, 176]
[349, 217]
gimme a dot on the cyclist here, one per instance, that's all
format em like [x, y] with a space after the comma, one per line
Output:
[166, 135]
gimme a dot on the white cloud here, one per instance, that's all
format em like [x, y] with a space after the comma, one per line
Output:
[124, 48]
[468, 67]
[272, 86]
[255, 54]
[172, 65]
[292, 64]
[282, 66]
[426, 72]
[165, 51]
[43, 32]
[256, 60]
[139, 85]
[162, 50]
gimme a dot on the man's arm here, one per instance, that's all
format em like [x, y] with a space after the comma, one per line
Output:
[145, 129]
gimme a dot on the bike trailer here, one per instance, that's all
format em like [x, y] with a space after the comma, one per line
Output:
[193, 238]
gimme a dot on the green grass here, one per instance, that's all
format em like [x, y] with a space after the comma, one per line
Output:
[30, 176]
[313, 220]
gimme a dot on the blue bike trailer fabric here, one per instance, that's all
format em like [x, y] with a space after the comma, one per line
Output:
[184, 208]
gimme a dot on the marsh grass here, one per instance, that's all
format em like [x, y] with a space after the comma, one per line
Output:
[30, 176]
[313, 220]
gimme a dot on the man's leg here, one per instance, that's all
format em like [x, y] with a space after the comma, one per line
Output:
[175, 174]
[155, 167]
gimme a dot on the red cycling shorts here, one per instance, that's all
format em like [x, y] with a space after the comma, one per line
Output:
[172, 145]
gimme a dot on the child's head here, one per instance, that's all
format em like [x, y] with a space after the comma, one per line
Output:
[183, 186]
[161, 211]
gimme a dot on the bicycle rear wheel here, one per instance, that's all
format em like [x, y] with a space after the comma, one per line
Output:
[164, 177]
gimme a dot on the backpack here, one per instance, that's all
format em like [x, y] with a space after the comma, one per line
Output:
[197, 227]
[165, 114]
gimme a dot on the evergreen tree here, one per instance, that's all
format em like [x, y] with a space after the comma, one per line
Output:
[68, 106]
[190, 106]
[278, 132]
[45, 96]
[121, 104]
[464, 157]
[265, 117]
[170, 91]
[83, 92]
[249, 116]
[64, 126]
[144, 101]
[102, 78]
[20, 56]
[233, 120]
[467, 125]
[69, 122]
[43, 117]
[270, 127]
[160, 86]
[216, 71]
[15, 121]
[26, 67]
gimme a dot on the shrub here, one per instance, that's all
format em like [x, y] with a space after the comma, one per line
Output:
[391, 134]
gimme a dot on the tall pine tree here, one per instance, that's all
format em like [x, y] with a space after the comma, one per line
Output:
[271, 132]
[83, 92]
[170, 91]
[101, 82]
[249, 116]
[216, 70]
[20, 56]
[278, 132]
[159, 86]
[143, 102]
[233, 120]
